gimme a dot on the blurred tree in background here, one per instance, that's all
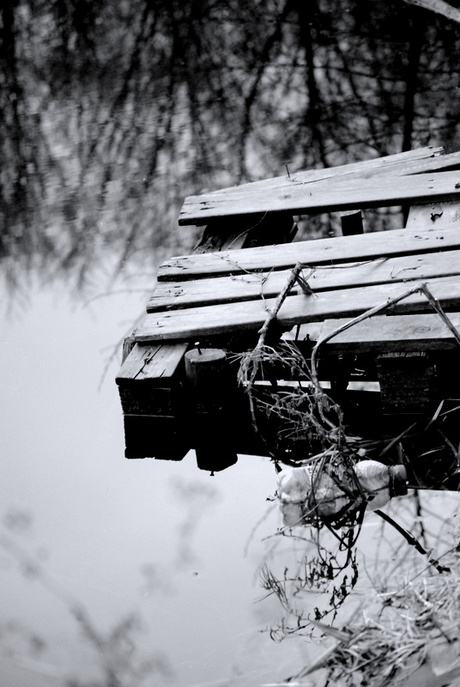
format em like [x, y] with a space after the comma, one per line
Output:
[113, 112]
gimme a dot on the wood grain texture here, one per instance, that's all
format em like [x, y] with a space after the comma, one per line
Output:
[250, 315]
[411, 162]
[153, 363]
[389, 333]
[381, 165]
[319, 252]
[303, 198]
[242, 287]
[434, 214]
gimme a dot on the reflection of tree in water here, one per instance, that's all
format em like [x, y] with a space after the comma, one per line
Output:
[119, 662]
[112, 112]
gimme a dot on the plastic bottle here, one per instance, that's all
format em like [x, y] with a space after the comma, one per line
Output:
[305, 494]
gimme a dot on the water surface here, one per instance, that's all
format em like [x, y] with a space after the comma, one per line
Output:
[158, 542]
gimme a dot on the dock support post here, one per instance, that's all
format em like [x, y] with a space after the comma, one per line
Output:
[207, 372]
[352, 222]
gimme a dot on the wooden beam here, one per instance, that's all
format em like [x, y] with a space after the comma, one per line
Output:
[302, 198]
[441, 163]
[388, 164]
[388, 333]
[157, 364]
[434, 214]
[243, 287]
[352, 222]
[149, 380]
[250, 315]
[208, 374]
[412, 162]
[319, 252]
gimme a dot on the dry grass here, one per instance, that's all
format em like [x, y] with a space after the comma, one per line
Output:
[413, 627]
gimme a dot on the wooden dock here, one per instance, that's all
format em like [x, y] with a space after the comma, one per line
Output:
[404, 359]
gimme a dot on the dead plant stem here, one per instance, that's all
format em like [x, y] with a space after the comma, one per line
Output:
[256, 353]
[412, 541]
[419, 288]
[273, 312]
[437, 307]
[356, 320]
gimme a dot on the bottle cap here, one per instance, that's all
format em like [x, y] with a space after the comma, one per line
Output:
[398, 480]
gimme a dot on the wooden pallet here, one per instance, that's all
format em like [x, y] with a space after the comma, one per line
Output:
[220, 300]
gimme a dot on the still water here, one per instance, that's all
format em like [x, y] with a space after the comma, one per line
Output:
[162, 541]
[165, 553]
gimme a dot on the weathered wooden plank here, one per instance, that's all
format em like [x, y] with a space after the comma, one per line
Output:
[439, 214]
[412, 162]
[387, 164]
[219, 319]
[149, 380]
[389, 333]
[185, 294]
[153, 363]
[440, 163]
[321, 251]
[301, 198]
